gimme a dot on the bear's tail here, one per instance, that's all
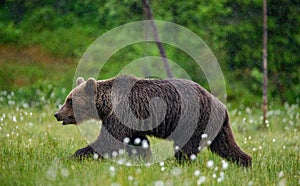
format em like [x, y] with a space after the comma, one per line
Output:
[224, 145]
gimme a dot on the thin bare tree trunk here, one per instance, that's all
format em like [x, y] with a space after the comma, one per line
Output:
[162, 51]
[265, 64]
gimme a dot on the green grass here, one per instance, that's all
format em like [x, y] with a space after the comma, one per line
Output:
[35, 150]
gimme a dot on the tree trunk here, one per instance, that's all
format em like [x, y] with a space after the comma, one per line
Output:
[162, 51]
[265, 64]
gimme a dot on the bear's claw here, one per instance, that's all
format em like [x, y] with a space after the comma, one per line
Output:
[84, 152]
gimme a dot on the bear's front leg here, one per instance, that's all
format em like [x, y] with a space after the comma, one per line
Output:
[85, 152]
[109, 142]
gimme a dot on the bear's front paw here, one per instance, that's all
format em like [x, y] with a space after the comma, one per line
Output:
[84, 152]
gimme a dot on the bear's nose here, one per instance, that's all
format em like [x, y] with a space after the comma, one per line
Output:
[56, 115]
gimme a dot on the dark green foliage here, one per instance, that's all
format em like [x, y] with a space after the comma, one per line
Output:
[9, 33]
[232, 29]
[244, 46]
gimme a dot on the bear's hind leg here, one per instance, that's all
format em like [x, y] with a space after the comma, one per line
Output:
[224, 145]
[188, 152]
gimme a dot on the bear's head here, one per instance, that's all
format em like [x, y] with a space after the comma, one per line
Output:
[79, 104]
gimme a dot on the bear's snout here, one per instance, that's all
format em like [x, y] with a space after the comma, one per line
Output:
[65, 119]
[56, 115]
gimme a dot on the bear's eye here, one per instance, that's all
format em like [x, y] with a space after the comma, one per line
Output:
[69, 102]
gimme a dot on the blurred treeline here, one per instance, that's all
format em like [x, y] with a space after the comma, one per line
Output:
[231, 28]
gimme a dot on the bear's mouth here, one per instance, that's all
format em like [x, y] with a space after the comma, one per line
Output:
[69, 120]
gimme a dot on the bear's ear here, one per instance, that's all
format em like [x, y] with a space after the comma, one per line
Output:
[79, 81]
[90, 86]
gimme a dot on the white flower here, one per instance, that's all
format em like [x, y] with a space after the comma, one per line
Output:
[283, 146]
[214, 175]
[96, 156]
[244, 120]
[222, 174]
[64, 172]
[112, 169]
[210, 163]
[224, 165]
[250, 183]
[14, 119]
[197, 173]
[137, 141]
[204, 136]
[114, 154]
[115, 184]
[221, 178]
[193, 157]
[126, 140]
[159, 183]
[176, 171]
[145, 144]
[128, 164]
[201, 180]
[121, 151]
[280, 174]
[120, 161]
[134, 151]
[138, 171]
[282, 182]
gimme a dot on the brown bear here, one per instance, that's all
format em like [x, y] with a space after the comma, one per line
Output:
[132, 109]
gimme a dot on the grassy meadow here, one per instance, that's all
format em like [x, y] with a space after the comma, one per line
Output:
[41, 43]
[36, 150]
